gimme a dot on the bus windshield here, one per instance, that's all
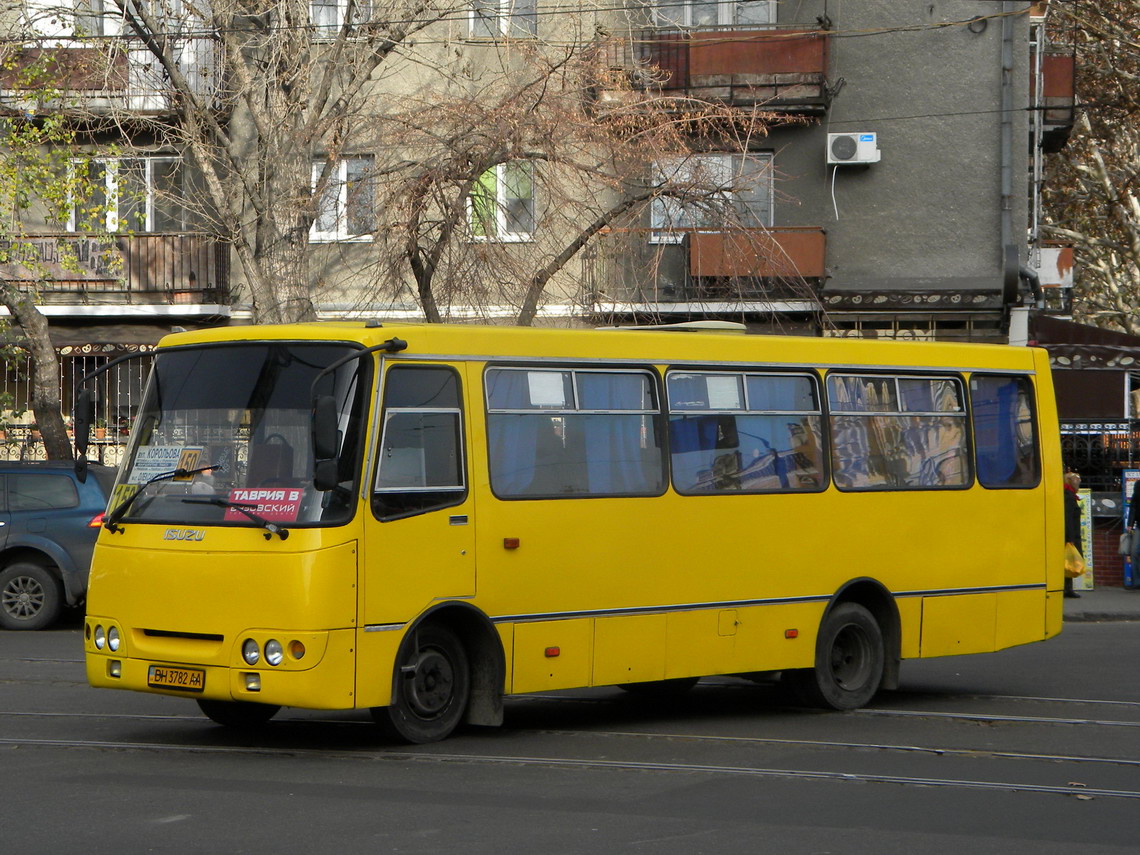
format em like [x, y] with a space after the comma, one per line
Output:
[223, 437]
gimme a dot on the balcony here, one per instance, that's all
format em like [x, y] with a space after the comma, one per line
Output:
[104, 75]
[1058, 98]
[639, 266]
[153, 269]
[780, 70]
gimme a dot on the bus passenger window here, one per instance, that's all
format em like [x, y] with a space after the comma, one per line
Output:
[1005, 432]
[897, 433]
[563, 433]
[420, 461]
[754, 433]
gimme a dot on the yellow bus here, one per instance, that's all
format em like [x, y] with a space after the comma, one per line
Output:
[422, 519]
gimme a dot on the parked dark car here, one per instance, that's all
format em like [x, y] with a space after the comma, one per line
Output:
[49, 522]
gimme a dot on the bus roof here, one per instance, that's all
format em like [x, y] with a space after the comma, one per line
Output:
[478, 342]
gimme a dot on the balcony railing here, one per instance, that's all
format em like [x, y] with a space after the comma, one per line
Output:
[104, 74]
[640, 265]
[784, 70]
[130, 269]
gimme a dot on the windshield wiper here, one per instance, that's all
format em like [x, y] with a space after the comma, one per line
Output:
[271, 528]
[111, 522]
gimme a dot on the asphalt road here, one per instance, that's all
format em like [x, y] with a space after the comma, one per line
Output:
[1032, 750]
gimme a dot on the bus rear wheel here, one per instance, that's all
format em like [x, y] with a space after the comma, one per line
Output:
[433, 683]
[237, 714]
[849, 661]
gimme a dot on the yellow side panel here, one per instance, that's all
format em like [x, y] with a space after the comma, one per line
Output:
[959, 624]
[629, 649]
[1053, 618]
[697, 643]
[534, 671]
[375, 658]
[910, 621]
[1019, 618]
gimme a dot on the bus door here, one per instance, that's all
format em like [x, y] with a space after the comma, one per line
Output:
[420, 545]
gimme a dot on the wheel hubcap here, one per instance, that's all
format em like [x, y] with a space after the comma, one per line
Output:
[851, 658]
[23, 597]
[432, 685]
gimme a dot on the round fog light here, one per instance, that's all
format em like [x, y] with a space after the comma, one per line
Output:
[274, 653]
[249, 651]
[113, 638]
[100, 637]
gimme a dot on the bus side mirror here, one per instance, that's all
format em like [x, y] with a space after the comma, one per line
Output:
[83, 416]
[326, 468]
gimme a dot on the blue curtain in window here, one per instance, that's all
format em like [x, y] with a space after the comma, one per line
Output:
[513, 439]
[616, 462]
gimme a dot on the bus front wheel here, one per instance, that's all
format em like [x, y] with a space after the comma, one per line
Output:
[237, 714]
[849, 661]
[433, 682]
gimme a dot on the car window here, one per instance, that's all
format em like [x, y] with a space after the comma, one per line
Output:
[41, 492]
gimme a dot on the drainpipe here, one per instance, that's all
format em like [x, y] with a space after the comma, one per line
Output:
[1011, 257]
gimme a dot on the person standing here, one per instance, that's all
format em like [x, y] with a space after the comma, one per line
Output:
[1133, 518]
[1072, 521]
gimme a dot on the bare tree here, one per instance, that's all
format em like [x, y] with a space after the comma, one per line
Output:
[390, 151]
[1093, 196]
[42, 174]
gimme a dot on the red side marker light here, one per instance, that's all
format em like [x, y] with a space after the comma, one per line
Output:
[510, 543]
[551, 652]
[791, 633]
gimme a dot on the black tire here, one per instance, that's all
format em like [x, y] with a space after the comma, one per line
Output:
[661, 689]
[433, 683]
[31, 596]
[237, 714]
[849, 661]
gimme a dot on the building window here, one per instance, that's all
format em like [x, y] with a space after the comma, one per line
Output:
[83, 18]
[712, 191]
[138, 194]
[329, 16]
[710, 13]
[502, 203]
[517, 19]
[347, 209]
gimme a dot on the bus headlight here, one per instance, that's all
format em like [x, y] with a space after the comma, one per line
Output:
[113, 639]
[274, 652]
[249, 651]
[100, 637]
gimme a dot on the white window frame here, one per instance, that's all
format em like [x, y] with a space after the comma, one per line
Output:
[516, 19]
[680, 13]
[501, 234]
[670, 218]
[111, 167]
[330, 29]
[50, 18]
[338, 181]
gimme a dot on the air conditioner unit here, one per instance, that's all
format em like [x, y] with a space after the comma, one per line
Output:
[862, 147]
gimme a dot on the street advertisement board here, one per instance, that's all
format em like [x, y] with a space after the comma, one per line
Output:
[1084, 582]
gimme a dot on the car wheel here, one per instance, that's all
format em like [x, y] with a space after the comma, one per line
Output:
[31, 596]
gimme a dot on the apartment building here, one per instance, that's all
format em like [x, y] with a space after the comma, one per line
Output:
[873, 169]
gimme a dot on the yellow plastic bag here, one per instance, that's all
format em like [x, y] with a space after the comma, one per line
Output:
[1074, 562]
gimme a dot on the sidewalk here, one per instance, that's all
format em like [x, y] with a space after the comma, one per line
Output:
[1104, 604]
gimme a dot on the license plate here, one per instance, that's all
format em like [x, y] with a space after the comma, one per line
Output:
[183, 679]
